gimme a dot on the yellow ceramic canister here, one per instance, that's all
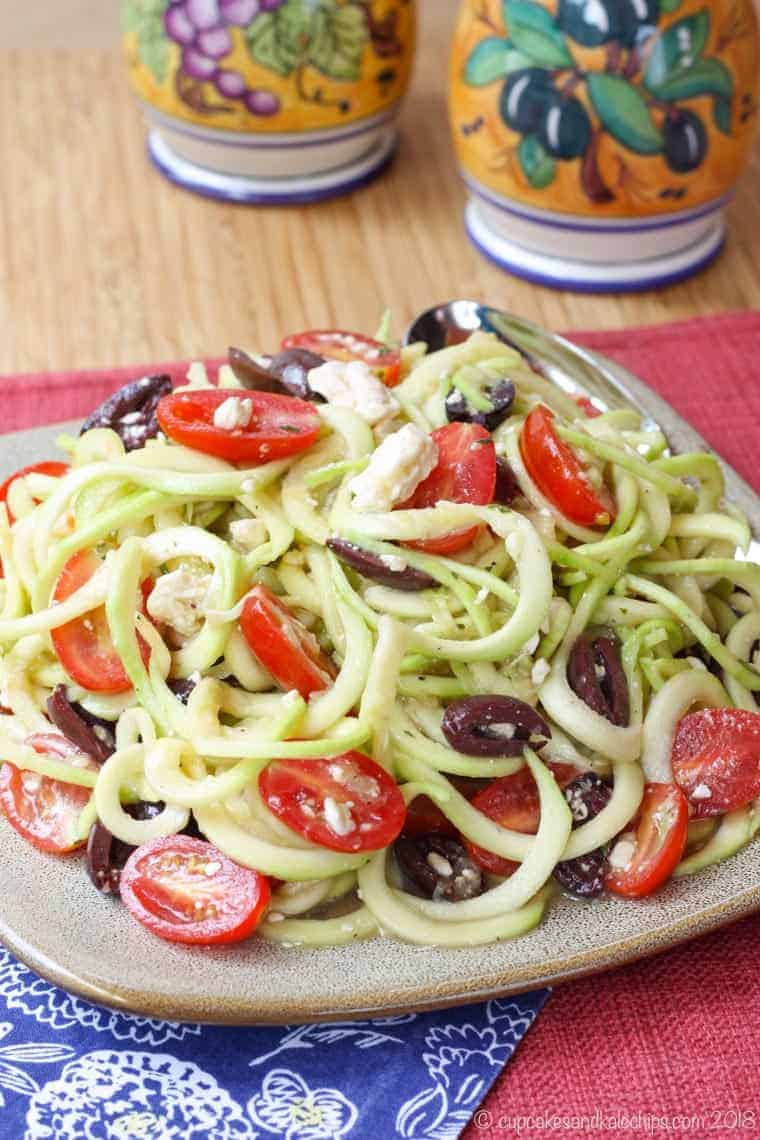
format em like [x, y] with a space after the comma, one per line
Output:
[601, 139]
[270, 100]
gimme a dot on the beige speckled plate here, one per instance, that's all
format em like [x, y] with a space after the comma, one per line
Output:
[53, 920]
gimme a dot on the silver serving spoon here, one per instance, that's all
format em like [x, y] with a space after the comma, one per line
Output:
[577, 371]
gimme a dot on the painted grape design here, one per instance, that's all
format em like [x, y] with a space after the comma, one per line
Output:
[638, 98]
[202, 30]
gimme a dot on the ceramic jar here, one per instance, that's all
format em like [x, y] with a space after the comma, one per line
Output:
[601, 139]
[270, 101]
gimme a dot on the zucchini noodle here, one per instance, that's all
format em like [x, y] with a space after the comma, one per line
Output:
[186, 543]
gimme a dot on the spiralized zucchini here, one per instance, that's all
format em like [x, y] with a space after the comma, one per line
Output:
[502, 618]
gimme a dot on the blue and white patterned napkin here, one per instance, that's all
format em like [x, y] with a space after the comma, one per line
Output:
[70, 1070]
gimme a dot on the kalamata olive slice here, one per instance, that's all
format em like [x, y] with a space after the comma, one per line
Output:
[584, 876]
[131, 411]
[501, 395]
[388, 570]
[182, 689]
[437, 867]
[107, 855]
[586, 795]
[96, 741]
[595, 674]
[507, 487]
[493, 726]
[286, 373]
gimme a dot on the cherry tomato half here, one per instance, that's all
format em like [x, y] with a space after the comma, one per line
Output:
[716, 759]
[185, 890]
[48, 467]
[656, 846]
[45, 811]
[346, 803]
[559, 474]
[336, 344]
[84, 646]
[513, 802]
[283, 645]
[423, 815]
[279, 426]
[465, 473]
[584, 403]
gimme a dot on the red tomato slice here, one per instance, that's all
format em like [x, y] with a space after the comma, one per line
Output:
[283, 645]
[465, 473]
[513, 802]
[45, 811]
[559, 474]
[423, 815]
[659, 841]
[584, 403]
[339, 345]
[84, 645]
[345, 803]
[185, 890]
[49, 467]
[280, 426]
[716, 759]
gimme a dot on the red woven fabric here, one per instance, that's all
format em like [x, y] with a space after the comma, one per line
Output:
[675, 1037]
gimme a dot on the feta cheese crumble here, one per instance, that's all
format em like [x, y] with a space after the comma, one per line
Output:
[701, 792]
[395, 470]
[338, 816]
[177, 600]
[233, 413]
[622, 853]
[540, 671]
[351, 384]
[247, 534]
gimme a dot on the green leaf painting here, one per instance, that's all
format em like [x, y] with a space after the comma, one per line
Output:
[322, 33]
[493, 58]
[705, 77]
[677, 48]
[534, 33]
[145, 20]
[623, 111]
[538, 166]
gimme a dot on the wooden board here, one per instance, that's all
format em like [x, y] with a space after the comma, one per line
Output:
[102, 262]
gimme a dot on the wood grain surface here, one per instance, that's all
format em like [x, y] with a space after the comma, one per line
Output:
[103, 262]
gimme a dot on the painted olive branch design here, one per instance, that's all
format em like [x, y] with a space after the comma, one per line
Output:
[639, 99]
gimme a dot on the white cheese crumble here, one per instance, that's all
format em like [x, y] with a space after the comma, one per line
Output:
[701, 792]
[394, 562]
[233, 413]
[177, 600]
[247, 534]
[540, 671]
[440, 864]
[351, 384]
[622, 853]
[338, 816]
[395, 470]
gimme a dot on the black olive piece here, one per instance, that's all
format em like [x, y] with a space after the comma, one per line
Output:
[586, 796]
[507, 488]
[131, 411]
[493, 725]
[68, 718]
[584, 876]
[182, 689]
[287, 373]
[437, 867]
[595, 674]
[107, 855]
[501, 395]
[372, 566]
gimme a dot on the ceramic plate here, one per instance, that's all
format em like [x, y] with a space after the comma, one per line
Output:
[52, 918]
